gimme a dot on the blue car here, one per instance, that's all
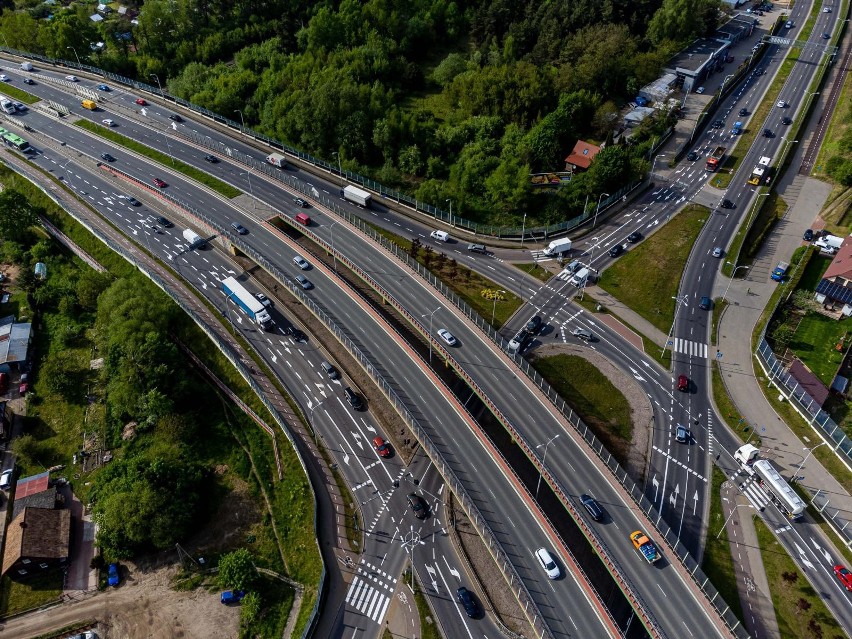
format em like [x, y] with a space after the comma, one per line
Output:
[103, 87]
[113, 577]
[232, 596]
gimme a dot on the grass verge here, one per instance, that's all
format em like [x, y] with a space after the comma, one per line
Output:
[189, 171]
[476, 290]
[729, 412]
[593, 397]
[647, 278]
[816, 342]
[19, 94]
[798, 607]
[753, 230]
[18, 596]
[719, 306]
[718, 564]
[533, 269]
[428, 627]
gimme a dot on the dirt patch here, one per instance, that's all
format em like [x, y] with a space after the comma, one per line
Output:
[237, 513]
[636, 453]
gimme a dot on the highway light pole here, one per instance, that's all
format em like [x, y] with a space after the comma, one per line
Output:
[543, 461]
[523, 229]
[333, 255]
[430, 331]
[786, 142]
[733, 510]
[597, 209]
[339, 167]
[160, 86]
[679, 299]
[251, 192]
[75, 55]
[795, 476]
[494, 308]
[725, 294]
[808, 102]
[450, 202]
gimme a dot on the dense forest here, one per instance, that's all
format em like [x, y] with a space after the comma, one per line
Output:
[456, 101]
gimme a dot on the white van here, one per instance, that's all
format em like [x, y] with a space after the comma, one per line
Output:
[441, 236]
[27, 66]
[580, 277]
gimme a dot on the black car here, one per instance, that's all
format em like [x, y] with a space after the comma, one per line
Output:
[705, 304]
[353, 398]
[300, 202]
[466, 599]
[28, 81]
[165, 222]
[211, 158]
[759, 72]
[592, 506]
[808, 236]
[786, 120]
[616, 250]
[107, 157]
[534, 325]
[634, 237]
[175, 117]
[743, 113]
[692, 156]
[727, 204]
[418, 506]
[133, 201]
[768, 133]
[298, 335]
[718, 124]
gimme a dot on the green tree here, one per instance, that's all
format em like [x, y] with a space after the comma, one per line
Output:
[89, 287]
[17, 215]
[682, 20]
[58, 375]
[250, 609]
[236, 570]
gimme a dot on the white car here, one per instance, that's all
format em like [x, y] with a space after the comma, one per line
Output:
[301, 262]
[4, 77]
[108, 122]
[263, 299]
[6, 479]
[826, 10]
[546, 561]
[21, 107]
[71, 78]
[781, 104]
[699, 90]
[717, 252]
[448, 337]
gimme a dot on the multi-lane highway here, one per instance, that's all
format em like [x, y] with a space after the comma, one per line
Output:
[494, 375]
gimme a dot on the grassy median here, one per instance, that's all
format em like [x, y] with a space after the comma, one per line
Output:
[647, 277]
[167, 161]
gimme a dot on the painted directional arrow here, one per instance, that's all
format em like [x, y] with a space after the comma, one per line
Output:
[432, 574]
[636, 374]
[673, 497]
[822, 550]
[802, 556]
[656, 486]
[357, 437]
[695, 504]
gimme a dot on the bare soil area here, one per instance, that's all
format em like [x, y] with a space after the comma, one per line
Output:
[142, 607]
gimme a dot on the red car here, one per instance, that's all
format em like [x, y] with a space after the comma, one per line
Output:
[382, 447]
[683, 383]
[844, 576]
[141, 102]
[159, 183]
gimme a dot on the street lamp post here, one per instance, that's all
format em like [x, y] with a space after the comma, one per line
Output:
[75, 55]
[786, 142]
[247, 173]
[160, 86]
[543, 461]
[654, 163]
[494, 308]
[725, 294]
[795, 476]
[430, 331]
[450, 202]
[808, 102]
[242, 120]
[733, 510]
[724, 82]
[597, 210]
[679, 300]
[339, 167]
[523, 229]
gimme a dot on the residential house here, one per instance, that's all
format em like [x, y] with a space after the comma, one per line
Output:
[581, 157]
[835, 289]
[37, 540]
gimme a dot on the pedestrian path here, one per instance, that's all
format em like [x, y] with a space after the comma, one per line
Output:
[371, 591]
[754, 493]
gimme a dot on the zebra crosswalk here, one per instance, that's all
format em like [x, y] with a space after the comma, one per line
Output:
[688, 347]
[755, 494]
[370, 591]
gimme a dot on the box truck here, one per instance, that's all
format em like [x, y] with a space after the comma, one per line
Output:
[558, 247]
[193, 239]
[248, 302]
[715, 159]
[26, 66]
[277, 159]
[356, 195]
[91, 105]
[580, 277]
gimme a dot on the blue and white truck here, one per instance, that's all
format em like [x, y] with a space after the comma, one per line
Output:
[248, 302]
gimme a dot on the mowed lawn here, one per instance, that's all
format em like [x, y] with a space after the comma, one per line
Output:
[647, 277]
[593, 397]
[815, 343]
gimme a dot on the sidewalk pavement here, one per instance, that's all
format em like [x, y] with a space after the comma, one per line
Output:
[628, 315]
[752, 584]
[741, 374]
[402, 620]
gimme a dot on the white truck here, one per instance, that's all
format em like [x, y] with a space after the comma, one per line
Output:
[27, 66]
[7, 106]
[746, 456]
[558, 247]
[356, 195]
[580, 277]
[193, 239]
[248, 302]
[277, 159]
